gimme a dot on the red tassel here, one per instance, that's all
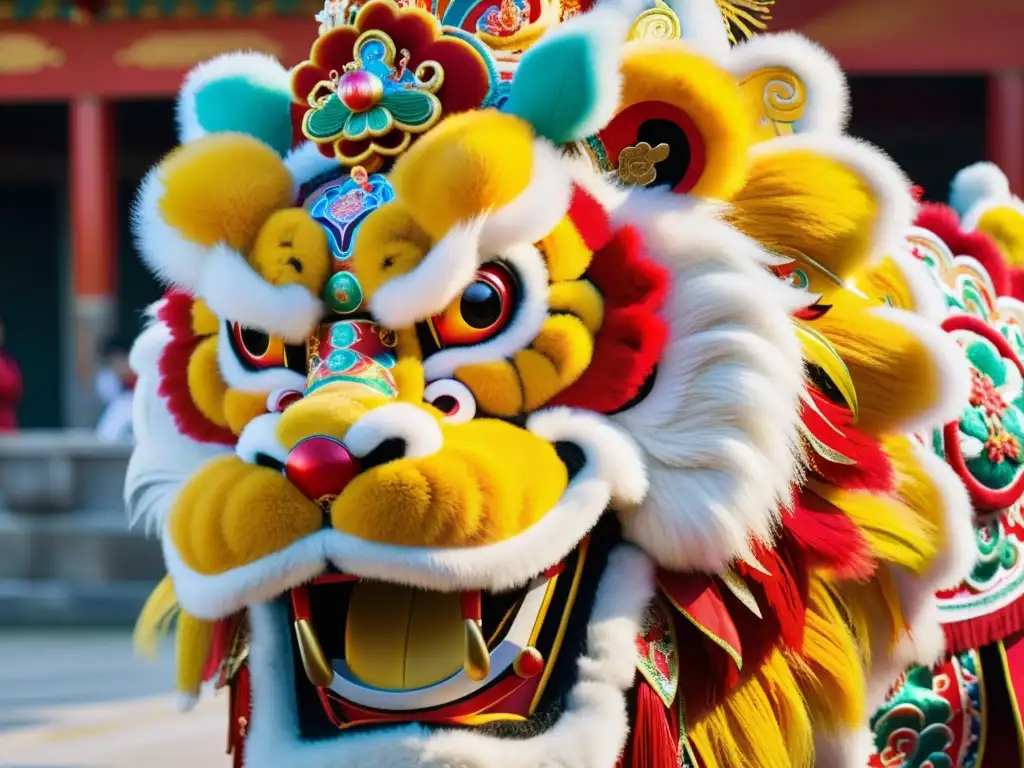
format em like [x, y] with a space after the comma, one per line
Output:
[654, 743]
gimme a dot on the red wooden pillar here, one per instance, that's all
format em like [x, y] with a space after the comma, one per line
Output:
[1005, 124]
[94, 238]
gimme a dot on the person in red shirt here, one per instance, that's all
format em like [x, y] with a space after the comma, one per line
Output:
[11, 388]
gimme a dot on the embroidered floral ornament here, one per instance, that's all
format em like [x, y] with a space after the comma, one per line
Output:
[369, 88]
[986, 446]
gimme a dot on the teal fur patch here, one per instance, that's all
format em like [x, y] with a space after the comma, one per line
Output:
[241, 105]
[558, 86]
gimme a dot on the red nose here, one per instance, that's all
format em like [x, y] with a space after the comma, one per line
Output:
[320, 467]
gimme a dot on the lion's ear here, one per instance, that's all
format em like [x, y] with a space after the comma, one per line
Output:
[237, 93]
[680, 125]
[791, 84]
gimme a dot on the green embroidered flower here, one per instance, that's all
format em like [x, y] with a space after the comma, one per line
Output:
[910, 729]
[992, 426]
[996, 552]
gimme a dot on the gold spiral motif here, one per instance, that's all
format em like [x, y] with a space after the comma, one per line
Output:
[784, 97]
[658, 23]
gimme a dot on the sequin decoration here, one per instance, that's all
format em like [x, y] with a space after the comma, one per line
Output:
[657, 653]
[355, 352]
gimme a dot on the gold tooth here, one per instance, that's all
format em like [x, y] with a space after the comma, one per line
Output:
[477, 662]
[314, 661]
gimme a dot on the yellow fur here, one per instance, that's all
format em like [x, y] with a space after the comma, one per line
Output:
[567, 255]
[155, 619]
[580, 298]
[291, 247]
[222, 188]
[491, 482]
[885, 283]
[454, 173]
[801, 204]
[389, 244]
[204, 322]
[242, 407]
[205, 383]
[894, 373]
[835, 686]
[894, 533]
[916, 489]
[231, 513]
[193, 640]
[665, 71]
[761, 724]
[495, 387]
[1005, 225]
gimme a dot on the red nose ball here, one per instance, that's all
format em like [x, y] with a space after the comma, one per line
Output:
[320, 467]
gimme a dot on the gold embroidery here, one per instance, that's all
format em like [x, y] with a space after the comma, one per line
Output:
[637, 163]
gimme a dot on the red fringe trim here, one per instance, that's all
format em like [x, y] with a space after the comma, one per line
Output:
[654, 741]
[985, 630]
[176, 313]
[828, 538]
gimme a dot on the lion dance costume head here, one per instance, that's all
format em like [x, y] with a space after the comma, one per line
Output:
[531, 391]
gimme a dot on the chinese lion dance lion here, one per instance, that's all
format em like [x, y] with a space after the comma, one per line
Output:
[542, 385]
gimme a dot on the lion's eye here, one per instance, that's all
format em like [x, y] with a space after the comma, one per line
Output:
[452, 398]
[258, 351]
[484, 309]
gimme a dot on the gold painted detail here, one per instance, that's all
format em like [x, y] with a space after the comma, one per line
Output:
[24, 54]
[184, 49]
[778, 98]
[637, 163]
[314, 662]
[657, 23]
[477, 661]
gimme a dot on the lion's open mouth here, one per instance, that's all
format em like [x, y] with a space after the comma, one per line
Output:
[370, 653]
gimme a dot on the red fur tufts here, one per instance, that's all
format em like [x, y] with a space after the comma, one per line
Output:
[832, 424]
[828, 538]
[944, 222]
[632, 336]
[176, 313]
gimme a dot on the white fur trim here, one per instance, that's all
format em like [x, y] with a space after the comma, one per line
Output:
[419, 430]
[977, 183]
[162, 458]
[220, 276]
[434, 283]
[260, 436]
[533, 214]
[235, 291]
[896, 206]
[257, 67]
[237, 376]
[953, 375]
[589, 734]
[615, 454]
[846, 749]
[702, 26]
[494, 567]
[305, 162]
[955, 562]
[720, 425]
[828, 100]
[172, 259]
[526, 324]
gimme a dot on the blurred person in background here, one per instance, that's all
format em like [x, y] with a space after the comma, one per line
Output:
[114, 384]
[10, 387]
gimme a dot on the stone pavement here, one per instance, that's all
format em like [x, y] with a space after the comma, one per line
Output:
[74, 699]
